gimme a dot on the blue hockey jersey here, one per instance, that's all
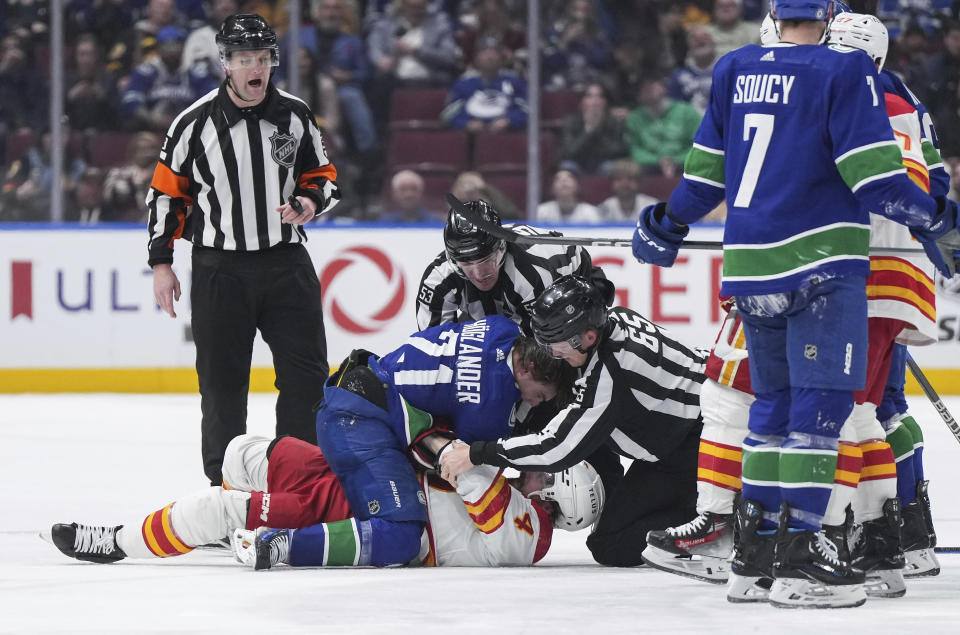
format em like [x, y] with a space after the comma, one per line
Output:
[798, 141]
[461, 371]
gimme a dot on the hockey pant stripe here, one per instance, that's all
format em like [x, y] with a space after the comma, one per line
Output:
[159, 535]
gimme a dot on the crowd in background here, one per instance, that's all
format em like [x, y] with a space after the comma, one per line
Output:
[416, 97]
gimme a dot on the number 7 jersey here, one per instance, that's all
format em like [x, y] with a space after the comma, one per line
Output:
[797, 140]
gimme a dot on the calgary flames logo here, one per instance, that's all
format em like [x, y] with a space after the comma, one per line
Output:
[362, 260]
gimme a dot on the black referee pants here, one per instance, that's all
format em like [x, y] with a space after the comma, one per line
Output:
[234, 294]
[651, 495]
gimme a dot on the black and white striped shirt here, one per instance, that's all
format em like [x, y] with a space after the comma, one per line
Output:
[445, 296]
[232, 168]
[639, 394]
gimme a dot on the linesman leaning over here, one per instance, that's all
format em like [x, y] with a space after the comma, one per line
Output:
[240, 172]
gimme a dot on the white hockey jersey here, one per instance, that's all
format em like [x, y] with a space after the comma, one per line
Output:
[485, 522]
[901, 287]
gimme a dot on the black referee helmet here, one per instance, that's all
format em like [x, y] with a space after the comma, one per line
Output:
[246, 32]
[464, 241]
[566, 309]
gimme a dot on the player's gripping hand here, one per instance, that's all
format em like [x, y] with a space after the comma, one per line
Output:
[658, 237]
[940, 239]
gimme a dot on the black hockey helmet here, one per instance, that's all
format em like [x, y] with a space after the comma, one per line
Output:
[566, 309]
[246, 32]
[463, 241]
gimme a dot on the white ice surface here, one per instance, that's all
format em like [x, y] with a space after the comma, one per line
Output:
[111, 459]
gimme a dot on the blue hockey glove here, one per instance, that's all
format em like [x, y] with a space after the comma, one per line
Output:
[941, 239]
[658, 237]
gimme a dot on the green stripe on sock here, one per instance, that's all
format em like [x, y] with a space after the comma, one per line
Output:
[760, 466]
[901, 441]
[910, 423]
[342, 544]
[805, 467]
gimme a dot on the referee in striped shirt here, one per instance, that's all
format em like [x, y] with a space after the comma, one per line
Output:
[639, 394]
[240, 172]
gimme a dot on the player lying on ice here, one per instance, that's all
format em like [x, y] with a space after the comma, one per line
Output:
[357, 496]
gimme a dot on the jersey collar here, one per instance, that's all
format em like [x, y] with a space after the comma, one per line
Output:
[267, 109]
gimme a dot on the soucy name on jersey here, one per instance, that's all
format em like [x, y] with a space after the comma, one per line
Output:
[470, 362]
[749, 89]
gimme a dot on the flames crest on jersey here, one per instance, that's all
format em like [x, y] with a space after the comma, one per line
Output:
[283, 148]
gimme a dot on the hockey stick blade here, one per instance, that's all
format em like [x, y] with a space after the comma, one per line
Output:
[546, 239]
[933, 397]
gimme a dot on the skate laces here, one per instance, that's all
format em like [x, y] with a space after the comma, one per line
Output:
[695, 526]
[94, 540]
[279, 543]
[828, 549]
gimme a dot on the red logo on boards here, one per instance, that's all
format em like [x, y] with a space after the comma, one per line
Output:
[355, 263]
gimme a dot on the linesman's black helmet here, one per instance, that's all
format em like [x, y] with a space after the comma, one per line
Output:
[463, 241]
[566, 309]
[246, 32]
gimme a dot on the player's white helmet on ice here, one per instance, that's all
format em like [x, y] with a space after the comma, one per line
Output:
[861, 31]
[578, 493]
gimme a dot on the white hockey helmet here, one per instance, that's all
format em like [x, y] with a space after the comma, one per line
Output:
[861, 31]
[769, 34]
[578, 493]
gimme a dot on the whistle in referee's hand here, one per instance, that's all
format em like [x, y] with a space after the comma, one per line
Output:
[295, 204]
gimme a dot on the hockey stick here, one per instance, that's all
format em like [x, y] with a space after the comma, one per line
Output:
[942, 411]
[933, 397]
[511, 236]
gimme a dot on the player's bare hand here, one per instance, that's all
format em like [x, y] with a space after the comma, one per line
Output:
[291, 216]
[454, 461]
[166, 288]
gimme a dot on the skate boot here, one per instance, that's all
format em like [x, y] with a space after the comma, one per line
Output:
[261, 548]
[699, 549]
[750, 565]
[877, 551]
[919, 537]
[808, 572]
[87, 542]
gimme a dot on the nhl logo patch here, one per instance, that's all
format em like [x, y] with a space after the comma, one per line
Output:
[373, 506]
[810, 351]
[284, 148]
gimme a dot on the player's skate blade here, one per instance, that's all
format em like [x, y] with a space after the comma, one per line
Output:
[885, 584]
[704, 568]
[799, 593]
[921, 563]
[742, 589]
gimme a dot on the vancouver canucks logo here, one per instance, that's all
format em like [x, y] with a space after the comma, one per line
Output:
[284, 148]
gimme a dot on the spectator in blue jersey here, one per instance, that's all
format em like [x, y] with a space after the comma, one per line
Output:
[592, 138]
[158, 89]
[406, 192]
[691, 82]
[487, 98]
[577, 50]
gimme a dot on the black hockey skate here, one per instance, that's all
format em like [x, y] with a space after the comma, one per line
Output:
[919, 537]
[752, 560]
[808, 572]
[699, 549]
[87, 542]
[878, 552]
